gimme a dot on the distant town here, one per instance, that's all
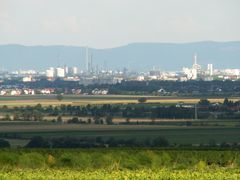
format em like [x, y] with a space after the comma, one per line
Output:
[91, 75]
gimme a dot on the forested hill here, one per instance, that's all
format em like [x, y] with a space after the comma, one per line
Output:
[137, 56]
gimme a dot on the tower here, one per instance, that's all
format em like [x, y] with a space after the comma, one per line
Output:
[87, 60]
[195, 59]
[91, 63]
[196, 66]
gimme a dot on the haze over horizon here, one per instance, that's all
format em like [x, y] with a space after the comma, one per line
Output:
[118, 46]
[137, 56]
[108, 24]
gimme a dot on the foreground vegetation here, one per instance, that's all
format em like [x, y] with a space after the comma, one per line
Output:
[119, 164]
[119, 159]
[63, 174]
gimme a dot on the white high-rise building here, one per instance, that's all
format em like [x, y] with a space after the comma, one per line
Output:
[66, 69]
[60, 72]
[74, 70]
[50, 73]
[210, 69]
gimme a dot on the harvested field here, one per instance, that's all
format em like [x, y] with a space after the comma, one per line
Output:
[12, 101]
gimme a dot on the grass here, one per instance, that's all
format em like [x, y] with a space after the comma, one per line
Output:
[116, 164]
[122, 159]
[174, 134]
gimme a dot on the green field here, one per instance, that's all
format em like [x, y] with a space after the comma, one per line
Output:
[174, 134]
[119, 164]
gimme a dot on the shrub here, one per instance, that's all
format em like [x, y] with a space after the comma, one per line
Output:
[38, 142]
[67, 160]
[4, 143]
[160, 142]
[100, 160]
[142, 100]
[8, 159]
[59, 97]
[51, 160]
[201, 165]
[79, 160]
[31, 160]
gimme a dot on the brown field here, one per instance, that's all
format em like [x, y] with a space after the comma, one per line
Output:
[84, 100]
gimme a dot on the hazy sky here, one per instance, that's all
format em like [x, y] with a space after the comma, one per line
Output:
[110, 23]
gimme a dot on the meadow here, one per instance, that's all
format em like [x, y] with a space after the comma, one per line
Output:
[174, 134]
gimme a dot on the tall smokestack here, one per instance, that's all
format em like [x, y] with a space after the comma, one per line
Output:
[195, 58]
[87, 59]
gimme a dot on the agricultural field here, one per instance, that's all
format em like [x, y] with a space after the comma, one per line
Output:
[188, 154]
[46, 100]
[119, 164]
[176, 131]
[174, 134]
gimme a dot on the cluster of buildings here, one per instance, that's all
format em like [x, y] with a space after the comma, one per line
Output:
[209, 73]
[17, 91]
[25, 91]
[61, 72]
[94, 76]
[100, 91]
[196, 72]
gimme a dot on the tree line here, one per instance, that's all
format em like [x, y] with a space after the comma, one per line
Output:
[103, 114]
[187, 88]
[88, 142]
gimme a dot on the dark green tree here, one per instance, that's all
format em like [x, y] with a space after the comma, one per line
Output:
[142, 100]
[38, 142]
[109, 120]
[204, 102]
[160, 142]
[4, 143]
[59, 119]
[59, 97]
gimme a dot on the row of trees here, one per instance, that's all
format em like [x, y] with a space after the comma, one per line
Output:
[100, 113]
[86, 142]
[95, 142]
[33, 114]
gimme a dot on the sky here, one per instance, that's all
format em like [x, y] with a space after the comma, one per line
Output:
[112, 23]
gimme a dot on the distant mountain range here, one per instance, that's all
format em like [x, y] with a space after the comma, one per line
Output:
[136, 56]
